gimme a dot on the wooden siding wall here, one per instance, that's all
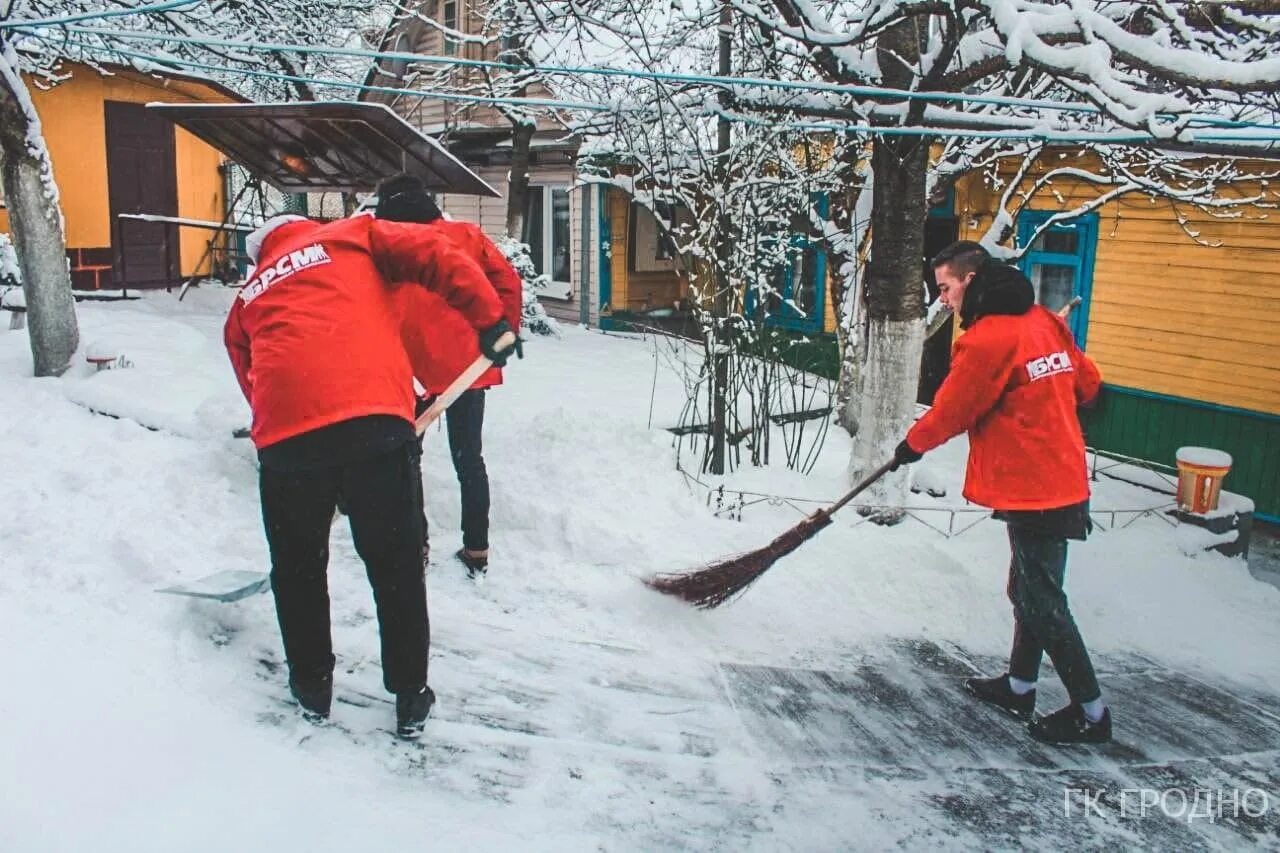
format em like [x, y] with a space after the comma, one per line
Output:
[639, 291]
[434, 114]
[491, 215]
[74, 121]
[635, 291]
[1167, 314]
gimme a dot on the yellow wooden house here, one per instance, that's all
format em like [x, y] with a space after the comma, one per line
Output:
[112, 156]
[1181, 311]
[641, 277]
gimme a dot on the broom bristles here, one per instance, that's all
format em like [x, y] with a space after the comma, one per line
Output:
[723, 580]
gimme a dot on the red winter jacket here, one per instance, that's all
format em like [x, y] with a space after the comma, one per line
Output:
[313, 335]
[1014, 385]
[439, 340]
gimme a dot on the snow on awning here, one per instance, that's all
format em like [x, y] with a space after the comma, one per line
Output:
[319, 146]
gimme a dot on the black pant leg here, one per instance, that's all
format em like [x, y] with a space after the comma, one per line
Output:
[1027, 652]
[297, 509]
[1041, 607]
[465, 423]
[384, 504]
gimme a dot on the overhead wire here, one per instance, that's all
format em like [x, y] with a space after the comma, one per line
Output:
[704, 79]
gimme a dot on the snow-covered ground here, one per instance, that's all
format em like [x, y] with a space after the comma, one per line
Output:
[577, 709]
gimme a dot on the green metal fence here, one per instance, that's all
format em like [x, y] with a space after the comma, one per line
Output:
[1153, 427]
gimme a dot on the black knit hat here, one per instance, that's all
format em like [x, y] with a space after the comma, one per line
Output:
[404, 198]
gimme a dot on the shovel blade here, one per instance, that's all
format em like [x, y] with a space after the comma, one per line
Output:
[228, 585]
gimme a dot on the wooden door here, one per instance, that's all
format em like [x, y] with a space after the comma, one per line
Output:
[141, 178]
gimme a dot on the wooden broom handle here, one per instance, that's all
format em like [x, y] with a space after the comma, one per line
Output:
[860, 488]
[464, 381]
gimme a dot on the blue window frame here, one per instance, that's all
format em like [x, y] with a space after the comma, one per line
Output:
[801, 285]
[1060, 263]
[946, 208]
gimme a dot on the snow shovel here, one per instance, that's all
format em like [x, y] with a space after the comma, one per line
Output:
[464, 381]
[229, 585]
[232, 585]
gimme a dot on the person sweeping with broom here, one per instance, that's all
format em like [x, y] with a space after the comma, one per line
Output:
[1015, 382]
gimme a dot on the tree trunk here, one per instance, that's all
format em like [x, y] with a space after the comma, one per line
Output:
[895, 310]
[894, 289]
[36, 224]
[852, 220]
[850, 335]
[518, 179]
[724, 251]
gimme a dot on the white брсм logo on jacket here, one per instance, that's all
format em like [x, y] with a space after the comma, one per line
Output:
[286, 266]
[1049, 365]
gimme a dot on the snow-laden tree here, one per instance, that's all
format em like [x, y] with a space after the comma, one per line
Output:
[36, 222]
[488, 63]
[37, 37]
[947, 89]
[1152, 76]
[742, 213]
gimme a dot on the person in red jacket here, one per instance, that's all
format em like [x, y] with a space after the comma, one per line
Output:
[440, 346]
[314, 341]
[1016, 380]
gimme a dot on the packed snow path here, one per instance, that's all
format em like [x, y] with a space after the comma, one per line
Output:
[578, 710]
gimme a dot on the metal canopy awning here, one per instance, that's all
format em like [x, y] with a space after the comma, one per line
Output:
[319, 146]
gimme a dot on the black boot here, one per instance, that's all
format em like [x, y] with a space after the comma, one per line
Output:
[477, 567]
[1070, 725]
[314, 694]
[996, 691]
[412, 710]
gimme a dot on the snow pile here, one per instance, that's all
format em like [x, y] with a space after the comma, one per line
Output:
[10, 273]
[1192, 540]
[149, 722]
[1204, 457]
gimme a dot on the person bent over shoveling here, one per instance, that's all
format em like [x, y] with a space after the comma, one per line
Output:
[315, 344]
[1016, 379]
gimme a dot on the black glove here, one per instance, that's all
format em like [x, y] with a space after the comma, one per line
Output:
[904, 455]
[489, 337]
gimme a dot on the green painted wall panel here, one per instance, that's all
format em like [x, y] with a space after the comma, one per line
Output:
[1151, 427]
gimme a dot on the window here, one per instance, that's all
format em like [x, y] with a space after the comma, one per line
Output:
[449, 20]
[798, 300]
[397, 67]
[1060, 263]
[650, 246]
[546, 230]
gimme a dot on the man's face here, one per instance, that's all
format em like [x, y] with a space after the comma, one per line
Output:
[951, 285]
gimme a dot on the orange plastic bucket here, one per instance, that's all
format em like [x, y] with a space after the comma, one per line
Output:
[1201, 471]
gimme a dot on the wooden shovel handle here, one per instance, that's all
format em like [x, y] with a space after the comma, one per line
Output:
[464, 381]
